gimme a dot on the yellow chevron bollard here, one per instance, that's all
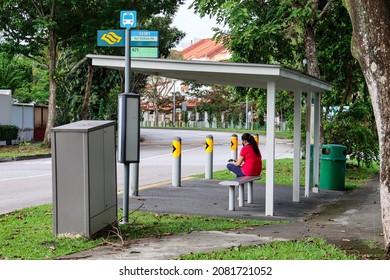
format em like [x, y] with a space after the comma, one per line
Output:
[234, 146]
[257, 139]
[176, 162]
[209, 146]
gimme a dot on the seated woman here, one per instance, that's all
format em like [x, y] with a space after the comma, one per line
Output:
[249, 161]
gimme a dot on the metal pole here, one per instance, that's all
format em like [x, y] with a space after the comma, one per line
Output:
[176, 162]
[134, 179]
[209, 157]
[127, 61]
[126, 166]
[174, 104]
[125, 219]
[234, 146]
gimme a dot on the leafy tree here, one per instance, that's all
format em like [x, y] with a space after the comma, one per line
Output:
[307, 35]
[371, 47]
[361, 137]
[215, 101]
[347, 110]
[31, 26]
[157, 93]
[15, 74]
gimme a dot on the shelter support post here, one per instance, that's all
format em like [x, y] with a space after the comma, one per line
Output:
[270, 172]
[307, 161]
[297, 145]
[316, 152]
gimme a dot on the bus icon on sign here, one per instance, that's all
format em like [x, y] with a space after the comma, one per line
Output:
[128, 19]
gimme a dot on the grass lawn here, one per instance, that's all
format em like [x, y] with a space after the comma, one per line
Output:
[23, 149]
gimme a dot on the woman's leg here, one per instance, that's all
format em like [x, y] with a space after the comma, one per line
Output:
[235, 169]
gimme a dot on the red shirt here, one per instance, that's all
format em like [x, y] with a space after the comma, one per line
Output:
[252, 163]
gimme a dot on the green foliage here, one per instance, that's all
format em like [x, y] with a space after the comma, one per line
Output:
[15, 73]
[355, 128]
[215, 102]
[37, 23]
[104, 94]
[27, 80]
[58, 34]
[255, 29]
[274, 32]
[8, 133]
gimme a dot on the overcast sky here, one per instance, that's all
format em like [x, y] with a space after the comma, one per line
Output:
[191, 23]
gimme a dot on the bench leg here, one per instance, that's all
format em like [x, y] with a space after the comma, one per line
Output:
[241, 195]
[231, 198]
[250, 192]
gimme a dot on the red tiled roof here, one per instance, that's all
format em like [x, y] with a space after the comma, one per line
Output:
[206, 49]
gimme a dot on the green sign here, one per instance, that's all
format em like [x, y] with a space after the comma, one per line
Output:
[144, 52]
[111, 38]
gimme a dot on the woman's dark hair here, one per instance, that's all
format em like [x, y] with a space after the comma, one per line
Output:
[251, 140]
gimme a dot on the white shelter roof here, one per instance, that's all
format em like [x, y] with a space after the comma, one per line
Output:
[223, 73]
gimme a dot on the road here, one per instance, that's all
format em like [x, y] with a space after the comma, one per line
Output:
[28, 183]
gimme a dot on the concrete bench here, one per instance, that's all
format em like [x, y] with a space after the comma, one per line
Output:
[240, 182]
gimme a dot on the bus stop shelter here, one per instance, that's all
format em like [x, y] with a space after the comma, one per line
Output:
[273, 78]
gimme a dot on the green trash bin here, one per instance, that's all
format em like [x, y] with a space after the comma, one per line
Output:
[333, 165]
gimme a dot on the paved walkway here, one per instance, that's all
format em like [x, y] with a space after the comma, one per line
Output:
[346, 218]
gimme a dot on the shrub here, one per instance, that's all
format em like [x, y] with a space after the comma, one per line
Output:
[8, 133]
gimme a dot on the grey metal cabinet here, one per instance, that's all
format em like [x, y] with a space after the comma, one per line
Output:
[84, 177]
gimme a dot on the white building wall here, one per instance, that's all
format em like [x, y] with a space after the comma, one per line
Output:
[23, 117]
[5, 106]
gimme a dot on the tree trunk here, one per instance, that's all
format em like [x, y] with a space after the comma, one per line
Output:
[155, 115]
[313, 68]
[371, 47]
[87, 95]
[311, 52]
[52, 88]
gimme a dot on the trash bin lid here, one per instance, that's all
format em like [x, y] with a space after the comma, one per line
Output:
[334, 152]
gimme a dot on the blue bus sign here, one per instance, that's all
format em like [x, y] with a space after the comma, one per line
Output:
[128, 19]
